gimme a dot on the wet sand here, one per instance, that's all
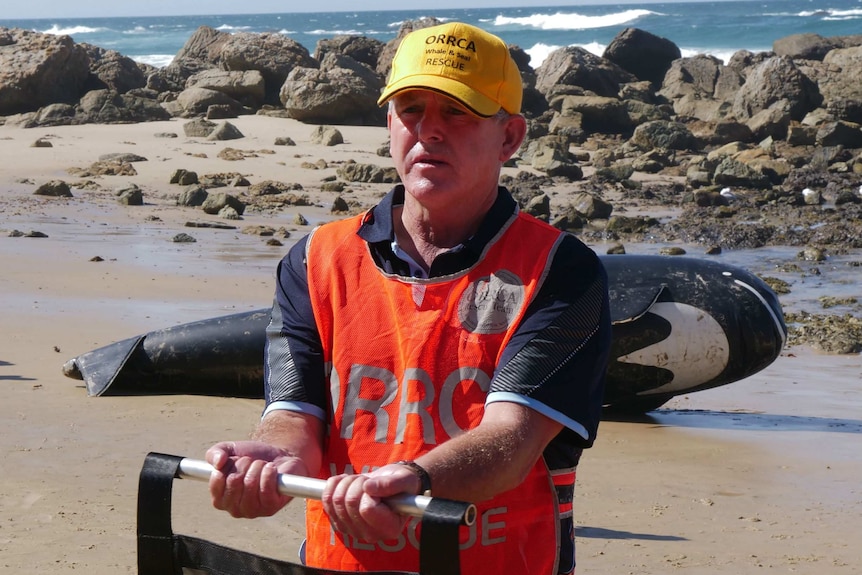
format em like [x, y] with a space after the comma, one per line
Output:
[760, 476]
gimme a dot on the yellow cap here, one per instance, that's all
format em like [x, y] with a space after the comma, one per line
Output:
[460, 61]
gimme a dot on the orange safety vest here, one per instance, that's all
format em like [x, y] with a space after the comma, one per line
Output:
[411, 362]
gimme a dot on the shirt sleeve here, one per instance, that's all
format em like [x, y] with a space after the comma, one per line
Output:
[556, 361]
[294, 370]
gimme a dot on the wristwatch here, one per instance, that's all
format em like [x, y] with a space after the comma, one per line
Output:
[424, 478]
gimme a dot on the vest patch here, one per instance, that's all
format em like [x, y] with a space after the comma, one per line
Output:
[492, 303]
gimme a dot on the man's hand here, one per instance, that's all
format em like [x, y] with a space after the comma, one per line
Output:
[245, 480]
[354, 503]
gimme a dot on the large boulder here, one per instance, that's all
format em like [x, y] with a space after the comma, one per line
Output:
[841, 83]
[596, 113]
[196, 101]
[273, 55]
[342, 91]
[806, 46]
[111, 70]
[698, 87]
[776, 84]
[361, 48]
[645, 55]
[110, 107]
[200, 52]
[663, 134]
[247, 87]
[39, 69]
[573, 66]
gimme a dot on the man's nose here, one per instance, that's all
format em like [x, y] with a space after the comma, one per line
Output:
[430, 126]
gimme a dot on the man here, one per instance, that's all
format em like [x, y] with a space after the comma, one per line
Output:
[443, 341]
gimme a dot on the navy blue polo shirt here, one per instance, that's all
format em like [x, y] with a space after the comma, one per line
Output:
[555, 363]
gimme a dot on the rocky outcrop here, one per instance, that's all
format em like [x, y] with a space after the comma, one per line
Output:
[112, 71]
[246, 87]
[645, 55]
[341, 91]
[360, 48]
[39, 69]
[573, 67]
[271, 55]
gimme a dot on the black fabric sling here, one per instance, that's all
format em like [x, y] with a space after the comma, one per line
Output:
[162, 552]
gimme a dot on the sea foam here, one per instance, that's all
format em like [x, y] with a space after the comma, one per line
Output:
[573, 20]
[72, 30]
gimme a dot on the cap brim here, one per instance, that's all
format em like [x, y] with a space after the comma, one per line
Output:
[474, 101]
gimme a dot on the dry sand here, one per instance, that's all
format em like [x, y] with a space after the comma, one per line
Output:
[761, 476]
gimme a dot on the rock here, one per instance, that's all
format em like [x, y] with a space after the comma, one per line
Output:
[39, 69]
[643, 54]
[112, 71]
[539, 206]
[555, 161]
[184, 177]
[284, 141]
[326, 136]
[595, 113]
[663, 134]
[122, 157]
[105, 168]
[225, 131]
[591, 206]
[229, 213]
[216, 202]
[273, 55]
[130, 196]
[198, 128]
[776, 84]
[840, 133]
[339, 205]
[110, 107]
[805, 46]
[271, 187]
[53, 115]
[812, 254]
[195, 101]
[55, 189]
[616, 172]
[733, 173]
[575, 66]
[244, 86]
[631, 225]
[220, 112]
[361, 48]
[183, 238]
[672, 251]
[368, 173]
[193, 196]
[342, 91]
[697, 85]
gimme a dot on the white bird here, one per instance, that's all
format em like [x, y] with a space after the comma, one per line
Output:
[727, 193]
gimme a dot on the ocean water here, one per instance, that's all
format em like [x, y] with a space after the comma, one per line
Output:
[715, 28]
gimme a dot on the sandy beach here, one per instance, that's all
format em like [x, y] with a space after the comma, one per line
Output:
[761, 476]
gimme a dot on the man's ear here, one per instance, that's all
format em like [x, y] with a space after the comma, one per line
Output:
[514, 132]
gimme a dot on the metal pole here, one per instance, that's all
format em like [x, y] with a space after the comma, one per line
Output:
[311, 488]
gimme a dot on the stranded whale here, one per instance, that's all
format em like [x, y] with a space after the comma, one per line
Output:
[680, 325]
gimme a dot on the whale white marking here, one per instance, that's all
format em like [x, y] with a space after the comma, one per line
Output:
[696, 350]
